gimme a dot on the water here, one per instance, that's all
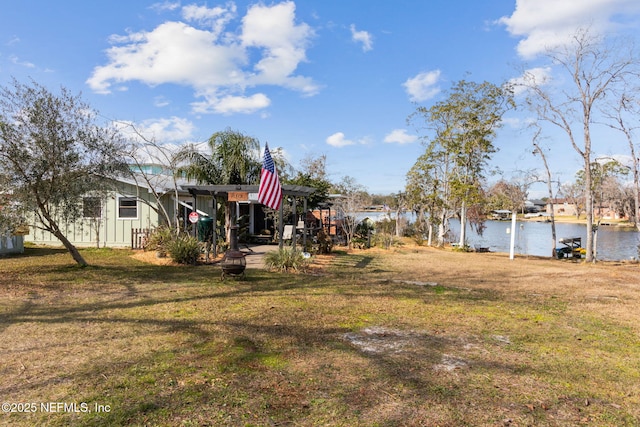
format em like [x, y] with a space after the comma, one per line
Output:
[534, 238]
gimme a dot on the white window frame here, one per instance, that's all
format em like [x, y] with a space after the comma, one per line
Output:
[137, 208]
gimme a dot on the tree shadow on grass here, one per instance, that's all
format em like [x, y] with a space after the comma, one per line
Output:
[243, 363]
[138, 287]
[246, 372]
[38, 251]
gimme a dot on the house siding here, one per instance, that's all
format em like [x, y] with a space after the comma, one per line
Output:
[109, 230]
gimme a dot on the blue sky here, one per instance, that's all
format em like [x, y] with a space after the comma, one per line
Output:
[334, 78]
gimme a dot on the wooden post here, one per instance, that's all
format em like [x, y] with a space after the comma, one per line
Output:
[295, 225]
[215, 226]
[195, 209]
[281, 225]
[304, 224]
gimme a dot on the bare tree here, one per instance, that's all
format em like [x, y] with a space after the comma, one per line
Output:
[315, 166]
[595, 69]
[620, 114]
[539, 151]
[613, 197]
[145, 149]
[353, 199]
[506, 195]
[606, 188]
[574, 193]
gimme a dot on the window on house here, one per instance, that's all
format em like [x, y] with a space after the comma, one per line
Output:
[127, 207]
[91, 207]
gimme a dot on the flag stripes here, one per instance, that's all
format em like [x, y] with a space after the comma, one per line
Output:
[270, 191]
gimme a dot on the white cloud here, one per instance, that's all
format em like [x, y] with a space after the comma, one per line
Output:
[423, 86]
[173, 129]
[363, 37]
[219, 65]
[338, 140]
[232, 104]
[519, 122]
[174, 52]
[20, 62]
[161, 131]
[216, 18]
[545, 24]
[161, 101]
[282, 42]
[166, 5]
[400, 136]
[538, 76]
[623, 159]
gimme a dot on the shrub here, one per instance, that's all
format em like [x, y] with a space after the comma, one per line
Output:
[285, 259]
[184, 250]
[325, 243]
[160, 239]
[386, 240]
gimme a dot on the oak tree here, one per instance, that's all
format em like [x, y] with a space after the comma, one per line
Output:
[53, 151]
[462, 128]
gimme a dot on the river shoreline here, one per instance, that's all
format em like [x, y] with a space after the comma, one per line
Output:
[581, 220]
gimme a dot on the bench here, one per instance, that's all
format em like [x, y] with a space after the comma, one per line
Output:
[262, 238]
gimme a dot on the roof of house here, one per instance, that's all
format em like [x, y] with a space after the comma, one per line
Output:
[222, 190]
[161, 183]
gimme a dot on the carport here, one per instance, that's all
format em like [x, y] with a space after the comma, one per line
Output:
[249, 194]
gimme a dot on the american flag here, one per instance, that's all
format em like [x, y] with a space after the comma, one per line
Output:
[270, 191]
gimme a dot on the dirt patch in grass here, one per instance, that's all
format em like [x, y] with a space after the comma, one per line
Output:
[151, 258]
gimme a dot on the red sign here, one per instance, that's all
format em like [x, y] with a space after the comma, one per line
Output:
[193, 217]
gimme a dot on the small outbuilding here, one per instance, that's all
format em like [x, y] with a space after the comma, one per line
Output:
[501, 214]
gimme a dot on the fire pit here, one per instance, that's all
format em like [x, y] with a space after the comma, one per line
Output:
[233, 262]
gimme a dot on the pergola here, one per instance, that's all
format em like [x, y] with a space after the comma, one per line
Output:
[241, 193]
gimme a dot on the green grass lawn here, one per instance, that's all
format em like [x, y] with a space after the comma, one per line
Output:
[364, 342]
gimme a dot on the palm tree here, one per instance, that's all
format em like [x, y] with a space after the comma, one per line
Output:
[234, 159]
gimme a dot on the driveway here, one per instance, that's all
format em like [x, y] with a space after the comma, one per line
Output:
[255, 254]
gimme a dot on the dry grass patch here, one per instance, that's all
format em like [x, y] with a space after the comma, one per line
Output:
[408, 337]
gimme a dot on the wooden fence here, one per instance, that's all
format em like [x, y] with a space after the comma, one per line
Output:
[139, 237]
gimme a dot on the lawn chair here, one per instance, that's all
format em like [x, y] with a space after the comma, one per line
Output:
[287, 233]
